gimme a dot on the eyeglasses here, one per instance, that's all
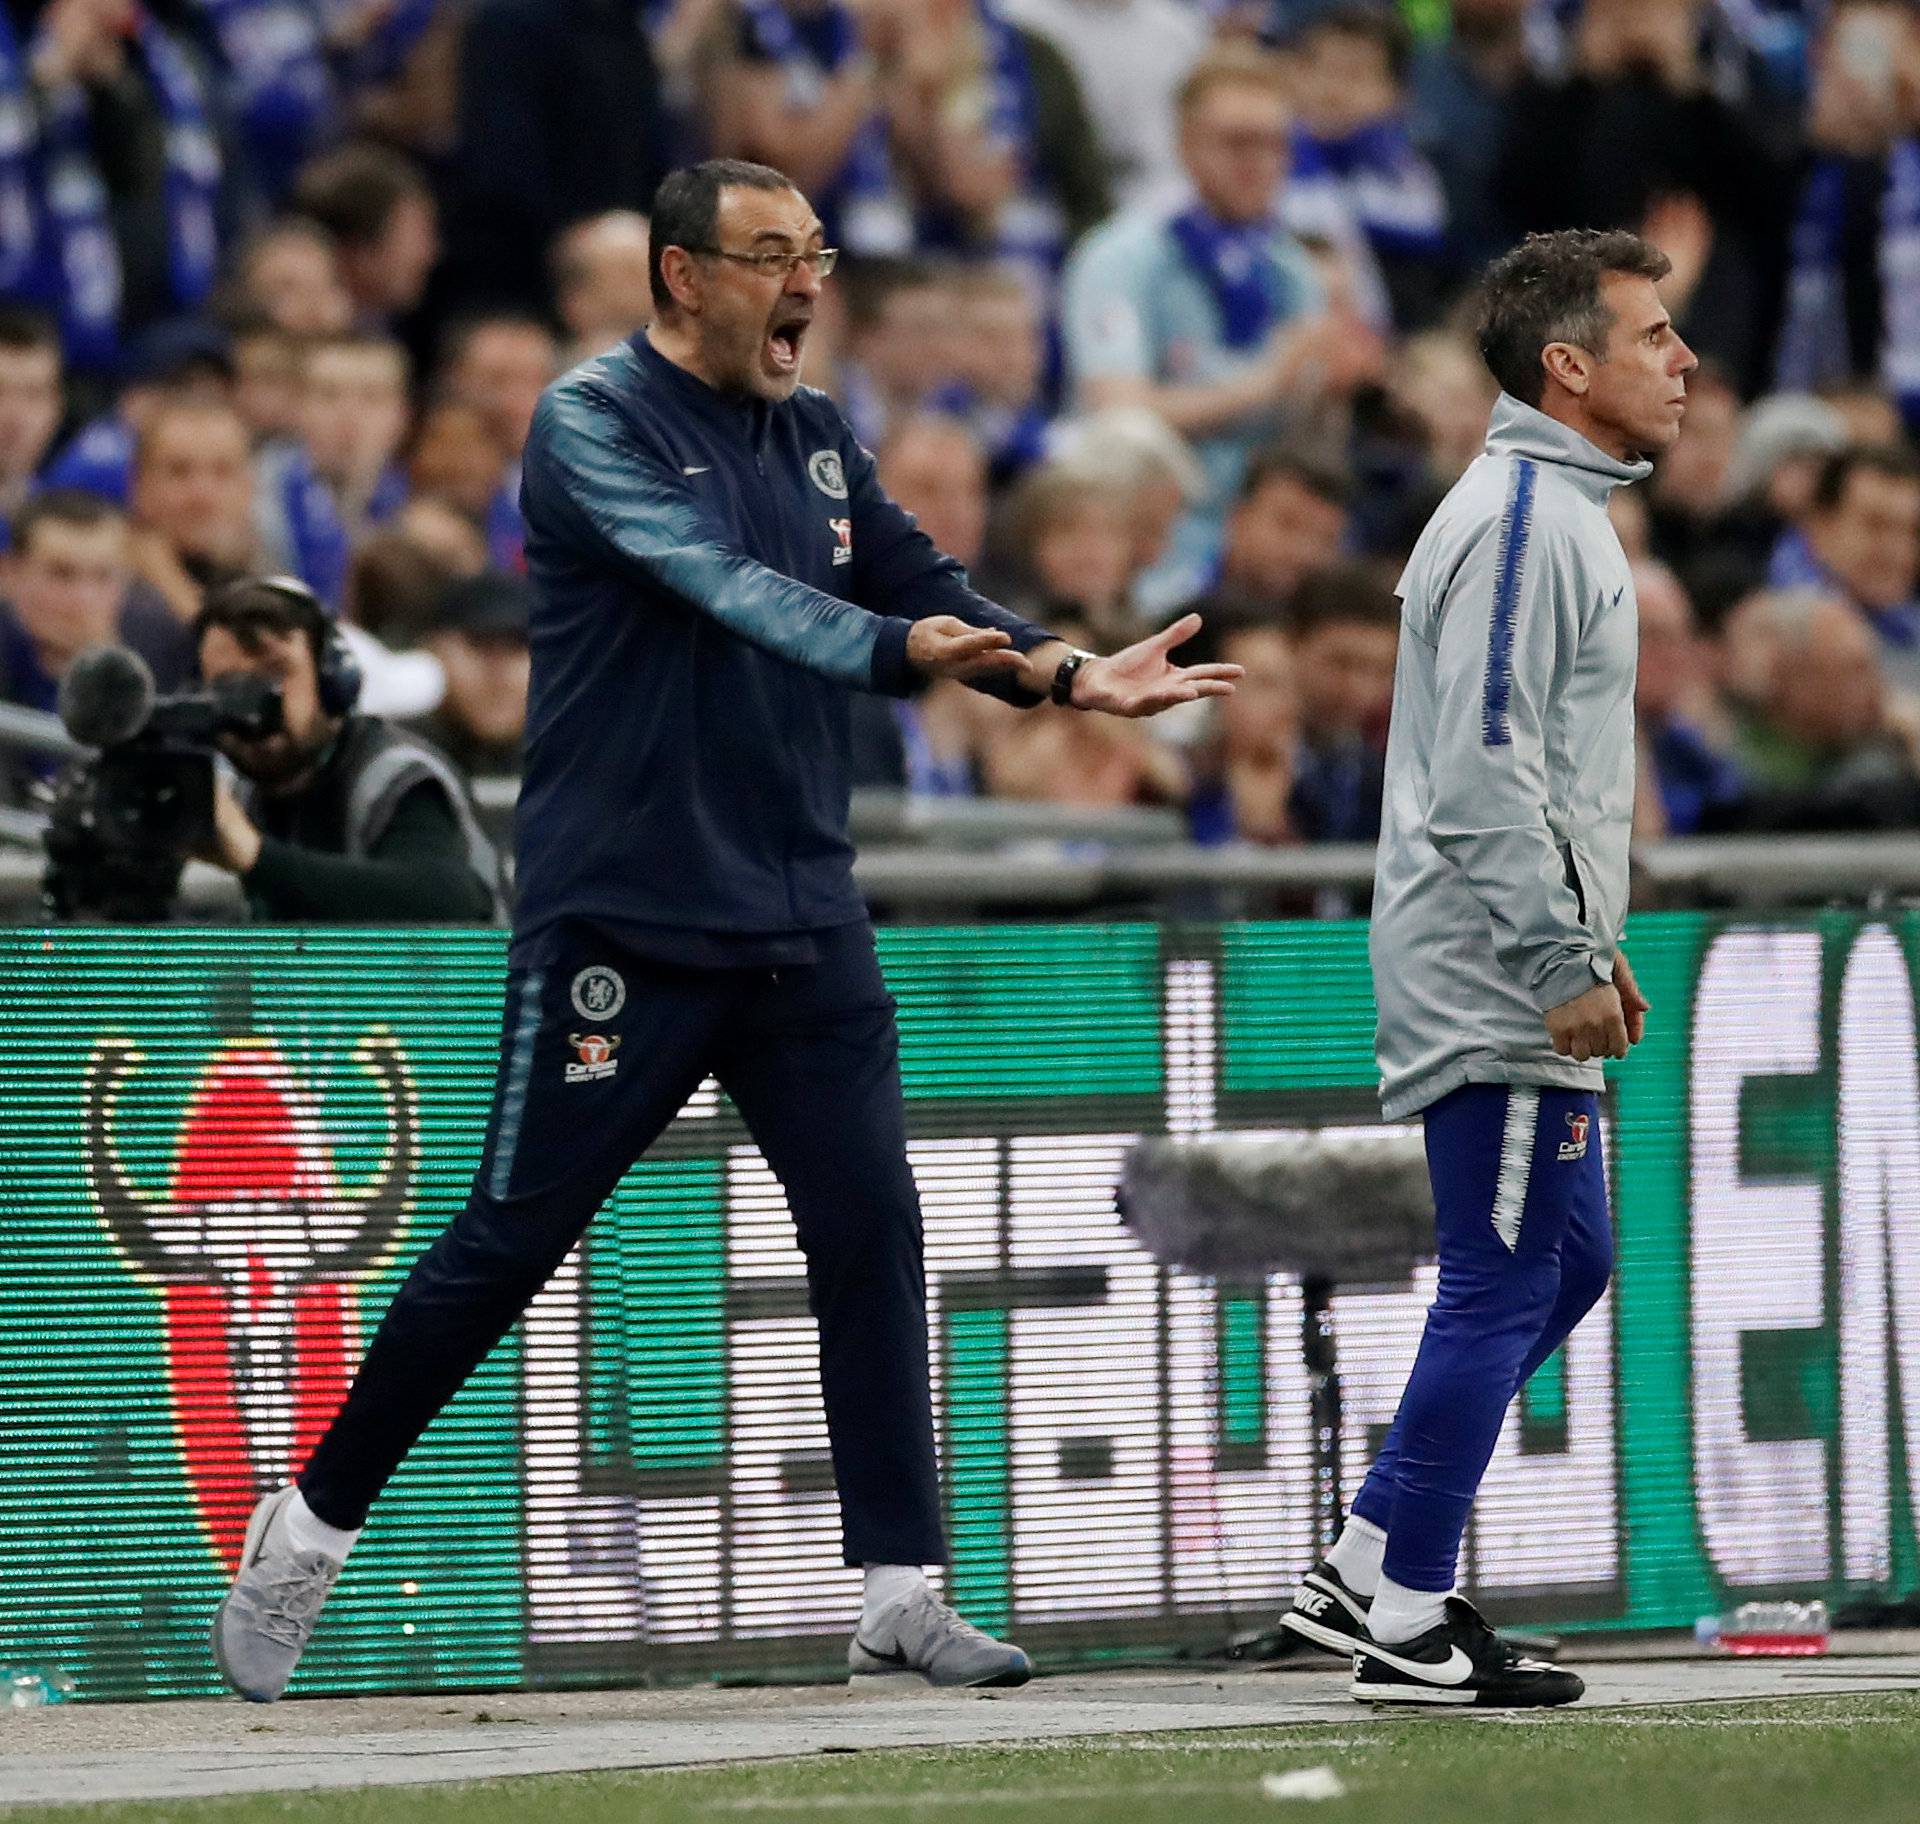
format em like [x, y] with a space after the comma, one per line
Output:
[773, 264]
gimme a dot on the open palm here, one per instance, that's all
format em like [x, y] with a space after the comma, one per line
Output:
[1142, 679]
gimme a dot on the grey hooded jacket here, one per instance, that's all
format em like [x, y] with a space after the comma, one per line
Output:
[1501, 880]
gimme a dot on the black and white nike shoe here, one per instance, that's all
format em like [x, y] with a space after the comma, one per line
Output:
[1326, 1612]
[1461, 1661]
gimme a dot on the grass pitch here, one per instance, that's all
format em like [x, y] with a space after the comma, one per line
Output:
[1854, 1760]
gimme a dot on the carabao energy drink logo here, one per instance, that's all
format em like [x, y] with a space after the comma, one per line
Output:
[256, 1247]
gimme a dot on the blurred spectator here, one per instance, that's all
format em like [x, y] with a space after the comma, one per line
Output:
[1136, 450]
[500, 364]
[67, 585]
[600, 285]
[904, 330]
[1001, 342]
[1245, 771]
[1439, 380]
[290, 274]
[1351, 138]
[396, 584]
[1826, 751]
[193, 500]
[559, 118]
[1289, 522]
[1634, 135]
[1869, 415]
[30, 405]
[353, 415]
[992, 130]
[935, 468]
[1861, 538]
[1129, 57]
[187, 358]
[130, 171]
[266, 378]
[449, 536]
[1690, 493]
[1684, 780]
[376, 207]
[1856, 231]
[1207, 315]
[456, 459]
[1345, 625]
[1071, 544]
[480, 638]
[1782, 443]
[1459, 85]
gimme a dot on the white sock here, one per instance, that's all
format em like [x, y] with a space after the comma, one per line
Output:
[1399, 1613]
[888, 1584]
[1356, 1555]
[307, 1532]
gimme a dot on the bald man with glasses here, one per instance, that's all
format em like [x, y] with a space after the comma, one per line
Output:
[717, 572]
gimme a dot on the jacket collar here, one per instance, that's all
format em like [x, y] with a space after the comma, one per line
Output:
[654, 365]
[1522, 430]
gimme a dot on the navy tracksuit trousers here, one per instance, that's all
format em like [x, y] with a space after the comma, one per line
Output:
[600, 1049]
[1525, 1244]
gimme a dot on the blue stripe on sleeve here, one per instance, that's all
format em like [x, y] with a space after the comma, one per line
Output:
[1514, 528]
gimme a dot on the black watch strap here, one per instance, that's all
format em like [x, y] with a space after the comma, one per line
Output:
[1061, 689]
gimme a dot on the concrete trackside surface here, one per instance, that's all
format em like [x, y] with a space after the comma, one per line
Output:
[189, 1750]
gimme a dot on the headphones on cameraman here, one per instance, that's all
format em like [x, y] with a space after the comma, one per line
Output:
[337, 672]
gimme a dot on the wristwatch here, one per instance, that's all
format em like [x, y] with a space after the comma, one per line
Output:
[1061, 689]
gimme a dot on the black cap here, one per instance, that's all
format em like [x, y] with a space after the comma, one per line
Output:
[492, 605]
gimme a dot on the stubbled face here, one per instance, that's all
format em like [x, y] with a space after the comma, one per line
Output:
[1870, 537]
[750, 326]
[287, 660]
[68, 586]
[1637, 395]
[1235, 146]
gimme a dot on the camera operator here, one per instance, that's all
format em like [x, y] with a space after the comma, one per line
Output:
[341, 817]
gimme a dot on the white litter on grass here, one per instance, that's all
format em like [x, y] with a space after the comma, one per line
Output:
[1304, 1783]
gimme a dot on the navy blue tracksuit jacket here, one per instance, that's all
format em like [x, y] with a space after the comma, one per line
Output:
[715, 577]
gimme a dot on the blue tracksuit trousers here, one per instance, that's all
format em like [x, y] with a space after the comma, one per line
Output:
[590, 1073]
[1525, 1245]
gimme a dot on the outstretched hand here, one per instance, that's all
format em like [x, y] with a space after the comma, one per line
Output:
[944, 646]
[1142, 679]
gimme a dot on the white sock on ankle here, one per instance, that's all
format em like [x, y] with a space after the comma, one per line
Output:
[307, 1532]
[1398, 1613]
[1356, 1555]
[888, 1584]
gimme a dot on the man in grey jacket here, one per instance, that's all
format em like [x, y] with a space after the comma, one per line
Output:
[1500, 892]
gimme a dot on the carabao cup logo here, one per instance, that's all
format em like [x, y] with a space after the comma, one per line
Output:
[256, 1246]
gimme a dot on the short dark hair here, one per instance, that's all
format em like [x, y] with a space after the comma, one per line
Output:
[256, 608]
[1319, 475]
[1349, 594]
[1890, 459]
[686, 205]
[62, 507]
[352, 193]
[26, 331]
[1373, 24]
[1548, 290]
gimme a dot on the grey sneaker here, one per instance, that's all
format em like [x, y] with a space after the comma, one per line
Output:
[261, 1627]
[922, 1635]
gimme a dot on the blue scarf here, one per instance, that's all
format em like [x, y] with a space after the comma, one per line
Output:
[1392, 191]
[1813, 341]
[85, 273]
[16, 168]
[862, 207]
[1031, 229]
[280, 88]
[1235, 263]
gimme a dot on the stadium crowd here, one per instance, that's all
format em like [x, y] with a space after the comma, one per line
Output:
[1143, 304]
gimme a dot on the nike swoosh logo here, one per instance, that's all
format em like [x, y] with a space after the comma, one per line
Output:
[1618, 593]
[1455, 1669]
[702, 468]
[898, 1656]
